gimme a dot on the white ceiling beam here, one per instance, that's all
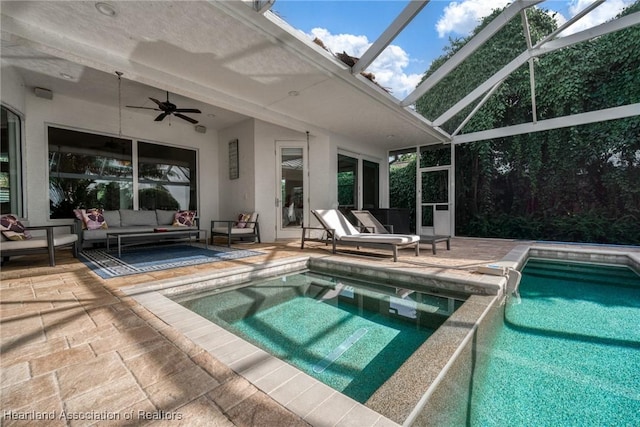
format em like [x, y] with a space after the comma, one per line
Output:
[549, 124]
[406, 16]
[552, 45]
[476, 42]
[532, 75]
[476, 108]
[570, 22]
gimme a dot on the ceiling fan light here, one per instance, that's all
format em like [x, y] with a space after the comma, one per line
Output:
[106, 9]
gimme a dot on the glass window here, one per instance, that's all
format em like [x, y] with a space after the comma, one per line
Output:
[88, 170]
[166, 177]
[292, 172]
[370, 184]
[10, 164]
[347, 182]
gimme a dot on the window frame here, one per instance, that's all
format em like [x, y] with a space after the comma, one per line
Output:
[135, 159]
[17, 201]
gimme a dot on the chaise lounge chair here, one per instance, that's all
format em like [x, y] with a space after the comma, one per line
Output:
[370, 223]
[338, 230]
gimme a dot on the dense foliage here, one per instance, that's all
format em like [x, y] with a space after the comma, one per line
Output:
[573, 184]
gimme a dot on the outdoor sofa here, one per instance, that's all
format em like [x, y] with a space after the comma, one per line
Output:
[92, 225]
[337, 230]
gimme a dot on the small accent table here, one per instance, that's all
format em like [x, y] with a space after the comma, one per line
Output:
[435, 239]
[144, 237]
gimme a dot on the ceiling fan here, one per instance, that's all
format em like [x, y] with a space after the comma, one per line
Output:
[168, 108]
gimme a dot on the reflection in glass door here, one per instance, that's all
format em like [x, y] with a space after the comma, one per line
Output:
[347, 183]
[291, 189]
[370, 185]
[434, 202]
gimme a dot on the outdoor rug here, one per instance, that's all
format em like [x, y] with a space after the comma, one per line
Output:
[155, 258]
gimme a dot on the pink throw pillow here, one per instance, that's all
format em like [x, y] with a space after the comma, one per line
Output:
[13, 229]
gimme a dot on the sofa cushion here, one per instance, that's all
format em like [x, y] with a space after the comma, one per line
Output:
[184, 219]
[234, 230]
[165, 217]
[112, 218]
[242, 220]
[92, 219]
[40, 242]
[129, 217]
[13, 229]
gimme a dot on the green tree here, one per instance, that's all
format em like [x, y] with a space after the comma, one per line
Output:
[579, 183]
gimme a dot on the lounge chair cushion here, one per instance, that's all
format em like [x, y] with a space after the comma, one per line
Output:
[395, 239]
[338, 222]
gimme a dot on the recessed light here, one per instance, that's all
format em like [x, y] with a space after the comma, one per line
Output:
[211, 115]
[66, 76]
[106, 9]
[294, 93]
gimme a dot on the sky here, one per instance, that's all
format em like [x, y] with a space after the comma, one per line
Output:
[353, 25]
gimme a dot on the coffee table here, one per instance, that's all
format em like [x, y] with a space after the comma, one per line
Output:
[150, 236]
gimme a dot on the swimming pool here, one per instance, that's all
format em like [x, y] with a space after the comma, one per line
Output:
[568, 354]
[350, 334]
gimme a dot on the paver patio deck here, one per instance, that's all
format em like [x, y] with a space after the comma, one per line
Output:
[76, 351]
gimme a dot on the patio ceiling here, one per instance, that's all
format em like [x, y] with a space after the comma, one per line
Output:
[234, 62]
[222, 57]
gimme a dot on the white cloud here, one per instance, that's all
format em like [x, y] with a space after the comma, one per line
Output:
[462, 17]
[388, 68]
[606, 11]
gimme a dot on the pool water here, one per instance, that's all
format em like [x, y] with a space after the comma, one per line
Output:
[348, 334]
[569, 353]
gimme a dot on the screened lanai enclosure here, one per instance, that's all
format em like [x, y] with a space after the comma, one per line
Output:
[528, 127]
[543, 130]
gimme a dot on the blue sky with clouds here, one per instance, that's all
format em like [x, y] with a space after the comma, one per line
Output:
[353, 25]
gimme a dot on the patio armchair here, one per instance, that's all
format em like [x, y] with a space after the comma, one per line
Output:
[246, 226]
[43, 240]
[337, 230]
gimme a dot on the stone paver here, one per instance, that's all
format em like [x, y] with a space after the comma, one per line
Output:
[72, 344]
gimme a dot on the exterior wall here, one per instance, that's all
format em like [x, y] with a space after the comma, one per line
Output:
[237, 195]
[92, 117]
[323, 171]
[13, 89]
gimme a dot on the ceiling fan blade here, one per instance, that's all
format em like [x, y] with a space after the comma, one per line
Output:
[144, 108]
[189, 119]
[156, 101]
[161, 117]
[187, 110]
